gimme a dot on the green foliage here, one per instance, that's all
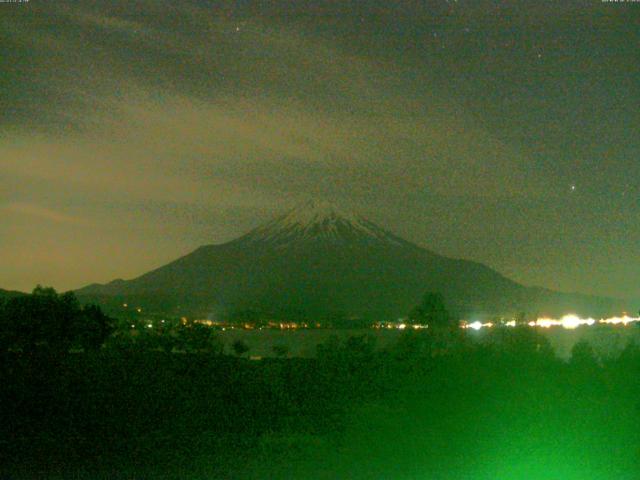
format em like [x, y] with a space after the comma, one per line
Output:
[360, 346]
[353, 354]
[482, 410]
[521, 343]
[582, 354]
[329, 349]
[413, 345]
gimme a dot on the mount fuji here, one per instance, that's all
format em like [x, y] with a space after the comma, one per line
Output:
[317, 261]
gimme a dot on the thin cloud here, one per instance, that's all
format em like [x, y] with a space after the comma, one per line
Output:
[45, 213]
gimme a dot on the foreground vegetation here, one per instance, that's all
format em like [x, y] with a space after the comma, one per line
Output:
[478, 412]
[433, 406]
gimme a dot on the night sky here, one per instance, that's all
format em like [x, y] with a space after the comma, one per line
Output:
[132, 132]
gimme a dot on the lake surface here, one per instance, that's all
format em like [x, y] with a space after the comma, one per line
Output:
[606, 340]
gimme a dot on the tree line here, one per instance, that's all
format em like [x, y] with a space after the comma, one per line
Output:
[48, 321]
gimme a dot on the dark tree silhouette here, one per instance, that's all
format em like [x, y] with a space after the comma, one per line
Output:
[329, 349]
[520, 318]
[46, 320]
[431, 311]
[199, 338]
[413, 345]
[280, 351]
[360, 346]
[240, 347]
[521, 342]
[92, 327]
[583, 355]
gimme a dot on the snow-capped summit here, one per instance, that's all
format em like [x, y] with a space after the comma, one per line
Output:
[314, 212]
[319, 220]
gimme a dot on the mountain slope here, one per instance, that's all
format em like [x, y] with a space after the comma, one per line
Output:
[5, 294]
[316, 261]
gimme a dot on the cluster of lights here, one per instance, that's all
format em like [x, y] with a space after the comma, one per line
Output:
[477, 325]
[398, 326]
[625, 320]
[138, 309]
[403, 326]
[568, 322]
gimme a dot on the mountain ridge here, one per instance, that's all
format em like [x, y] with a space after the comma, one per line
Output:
[6, 294]
[316, 260]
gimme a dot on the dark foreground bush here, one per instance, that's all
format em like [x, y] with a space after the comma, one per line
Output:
[428, 408]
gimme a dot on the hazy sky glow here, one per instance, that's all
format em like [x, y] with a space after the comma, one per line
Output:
[503, 132]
